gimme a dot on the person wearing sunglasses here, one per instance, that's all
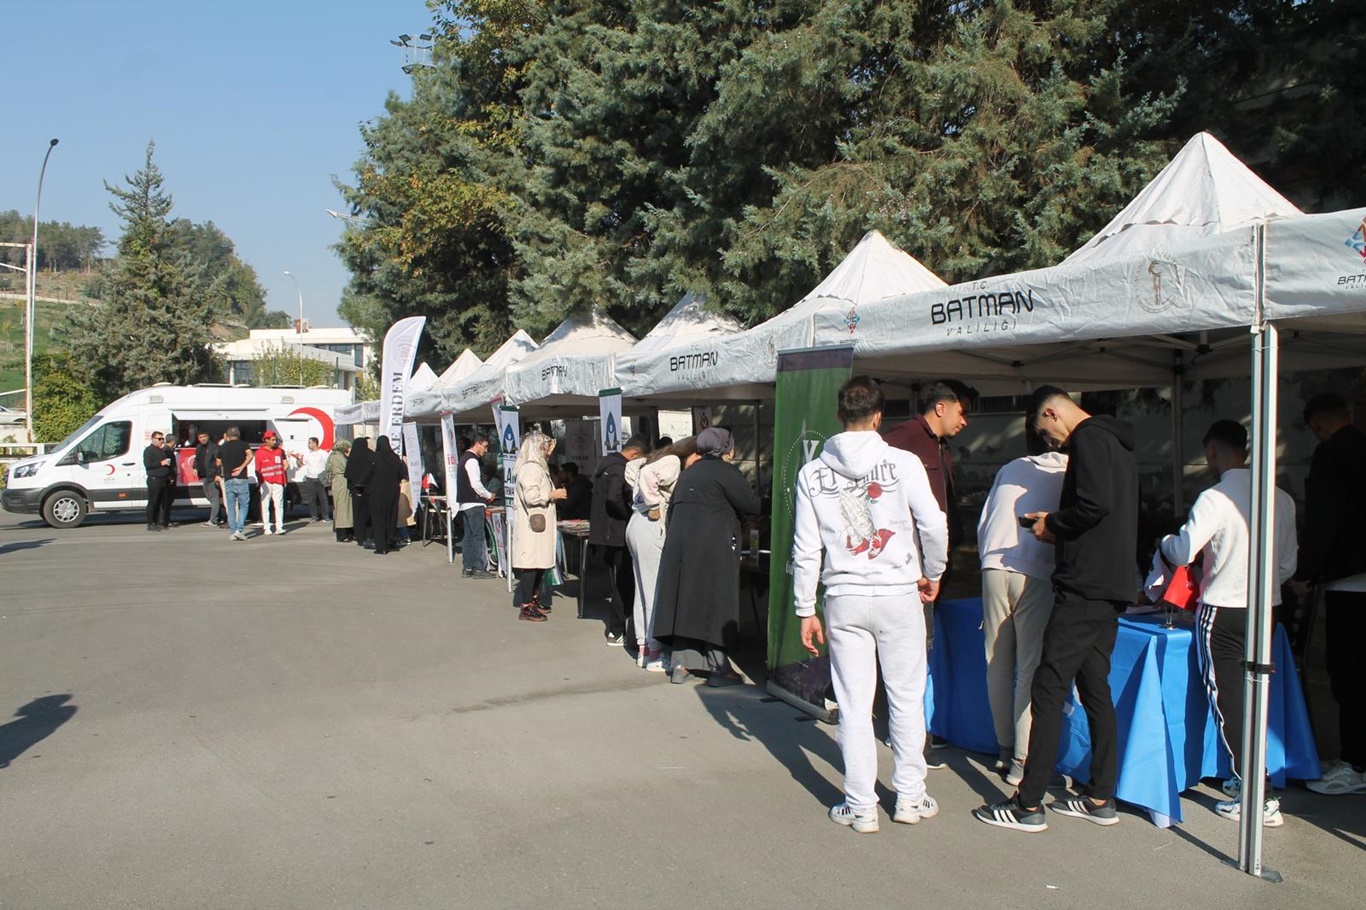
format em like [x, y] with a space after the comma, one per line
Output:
[156, 459]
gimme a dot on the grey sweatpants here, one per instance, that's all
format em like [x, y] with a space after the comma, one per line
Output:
[1015, 612]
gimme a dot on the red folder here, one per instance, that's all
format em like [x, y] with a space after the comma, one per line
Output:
[1183, 590]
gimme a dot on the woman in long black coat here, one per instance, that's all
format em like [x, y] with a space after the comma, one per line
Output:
[360, 467]
[383, 495]
[698, 598]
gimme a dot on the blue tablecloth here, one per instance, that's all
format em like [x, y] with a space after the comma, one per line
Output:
[1168, 739]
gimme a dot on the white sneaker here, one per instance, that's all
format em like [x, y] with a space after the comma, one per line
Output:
[269, 532]
[1271, 812]
[862, 822]
[1339, 777]
[910, 812]
[1016, 772]
[238, 535]
[279, 530]
[656, 664]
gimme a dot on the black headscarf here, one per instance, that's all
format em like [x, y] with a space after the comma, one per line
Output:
[360, 466]
[389, 469]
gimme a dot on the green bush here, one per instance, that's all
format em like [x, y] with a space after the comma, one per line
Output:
[63, 397]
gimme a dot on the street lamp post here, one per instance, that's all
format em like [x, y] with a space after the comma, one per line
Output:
[299, 328]
[31, 303]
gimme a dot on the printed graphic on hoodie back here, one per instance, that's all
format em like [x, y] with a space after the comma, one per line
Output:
[856, 497]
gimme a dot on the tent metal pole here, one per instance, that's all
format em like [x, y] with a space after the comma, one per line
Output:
[1178, 405]
[1261, 579]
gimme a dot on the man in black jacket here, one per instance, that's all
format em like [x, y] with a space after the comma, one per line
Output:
[607, 529]
[578, 503]
[158, 461]
[1095, 531]
[206, 466]
[1333, 555]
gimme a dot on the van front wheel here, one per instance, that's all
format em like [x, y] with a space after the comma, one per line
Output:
[64, 509]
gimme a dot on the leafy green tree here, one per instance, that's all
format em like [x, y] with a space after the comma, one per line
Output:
[151, 325]
[63, 397]
[281, 365]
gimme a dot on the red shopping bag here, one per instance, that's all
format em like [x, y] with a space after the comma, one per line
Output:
[1184, 588]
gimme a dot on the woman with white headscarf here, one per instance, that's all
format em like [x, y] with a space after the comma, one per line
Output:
[533, 522]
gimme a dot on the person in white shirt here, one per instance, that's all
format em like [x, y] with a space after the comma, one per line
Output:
[472, 498]
[312, 469]
[868, 507]
[1218, 528]
[1017, 593]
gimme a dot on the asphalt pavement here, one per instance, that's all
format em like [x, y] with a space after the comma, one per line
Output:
[289, 722]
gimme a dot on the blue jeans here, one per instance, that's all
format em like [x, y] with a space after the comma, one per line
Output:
[239, 497]
[473, 547]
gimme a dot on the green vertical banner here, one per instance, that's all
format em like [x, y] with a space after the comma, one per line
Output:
[804, 417]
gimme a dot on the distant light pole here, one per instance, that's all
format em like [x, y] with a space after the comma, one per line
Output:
[414, 56]
[301, 304]
[31, 304]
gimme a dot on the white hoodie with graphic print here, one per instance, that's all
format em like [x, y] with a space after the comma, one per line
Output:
[869, 507]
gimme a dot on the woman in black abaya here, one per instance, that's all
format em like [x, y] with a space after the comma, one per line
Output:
[383, 495]
[360, 467]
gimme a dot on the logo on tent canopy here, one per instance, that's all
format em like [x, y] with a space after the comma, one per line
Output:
[1358, 240]
[852, 319]
[1160, 285]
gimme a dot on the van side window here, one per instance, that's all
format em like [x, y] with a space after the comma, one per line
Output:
[109, 441]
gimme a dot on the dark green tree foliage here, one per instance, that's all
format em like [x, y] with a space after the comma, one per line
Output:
[62, 247]
[567, 153]
[150, 325]
[63, 396]
[227, 284]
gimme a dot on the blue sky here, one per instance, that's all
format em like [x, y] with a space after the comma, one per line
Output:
[254, 107]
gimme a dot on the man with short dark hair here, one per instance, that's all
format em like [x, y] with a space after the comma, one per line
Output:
[471, 499]
[611, 509]
[206, 466]
[159, 464]
[313, 468]
[1218, 528]
[579, 492]
[1095, 531]
[233, 457]
[867, 507]
[1333, 556]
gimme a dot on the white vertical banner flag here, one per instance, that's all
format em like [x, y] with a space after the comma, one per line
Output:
[509, 424]
[396, 363]
[451, 453]
[412, 454]
[609, 409]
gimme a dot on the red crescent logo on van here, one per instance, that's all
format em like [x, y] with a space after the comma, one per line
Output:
[111, 470]
[323, 420]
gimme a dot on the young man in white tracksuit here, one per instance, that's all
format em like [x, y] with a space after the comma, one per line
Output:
[1218, 528]
[869, 508]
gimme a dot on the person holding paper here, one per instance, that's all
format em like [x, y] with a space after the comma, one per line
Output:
[1218, 528]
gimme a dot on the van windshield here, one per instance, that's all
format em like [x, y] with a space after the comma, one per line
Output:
[77, 434]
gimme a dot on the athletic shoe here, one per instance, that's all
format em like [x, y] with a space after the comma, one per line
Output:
[1002, 760]
[1082, 807]
[269, 532]
[1010, 814]
[210, 524]
[238, 535]
[938, 742]
[154, 527]
[1232, 788]
[932, 761]
[613, 641]
[1271, 812]
[721, 678]
[476, 573]
[862, 822]
[910, 812]
[1339, 777]
[654, 662]
[530, 614]
[1016, 772]
[279, 530]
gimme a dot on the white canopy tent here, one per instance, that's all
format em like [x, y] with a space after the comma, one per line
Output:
[426, 402]
[469, 399]
[689, 320]
[743, 366]
[563, 376]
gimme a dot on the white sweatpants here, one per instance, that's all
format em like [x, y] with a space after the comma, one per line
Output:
[864, 631]
[645, 540]
[1015, 611]
[273, 494]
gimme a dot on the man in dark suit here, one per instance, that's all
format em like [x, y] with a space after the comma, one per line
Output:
[157, 460]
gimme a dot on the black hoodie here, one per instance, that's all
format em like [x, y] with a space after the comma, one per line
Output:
[1096, 524]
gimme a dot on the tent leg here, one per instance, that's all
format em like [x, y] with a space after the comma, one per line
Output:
[1261, 582]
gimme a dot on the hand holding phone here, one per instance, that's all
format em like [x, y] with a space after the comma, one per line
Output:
[1026, 522]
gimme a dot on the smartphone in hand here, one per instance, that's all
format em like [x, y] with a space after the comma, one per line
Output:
[1026, 522]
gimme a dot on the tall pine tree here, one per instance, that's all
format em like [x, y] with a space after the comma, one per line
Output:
[151, 325]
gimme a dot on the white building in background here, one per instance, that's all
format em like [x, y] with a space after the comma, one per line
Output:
[344, 348]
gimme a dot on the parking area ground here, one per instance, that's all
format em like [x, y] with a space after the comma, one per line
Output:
[289, 722]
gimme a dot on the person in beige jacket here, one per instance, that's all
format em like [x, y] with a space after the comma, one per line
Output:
[533, 522]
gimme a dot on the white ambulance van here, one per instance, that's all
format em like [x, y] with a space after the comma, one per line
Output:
[98, 468]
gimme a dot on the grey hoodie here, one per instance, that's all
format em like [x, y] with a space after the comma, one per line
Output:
[869, 507]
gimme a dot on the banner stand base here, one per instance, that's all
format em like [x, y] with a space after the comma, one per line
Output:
[821, 714]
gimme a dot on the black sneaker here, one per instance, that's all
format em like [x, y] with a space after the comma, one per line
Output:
[1082, 807]
[477, 573]
[1010, 814]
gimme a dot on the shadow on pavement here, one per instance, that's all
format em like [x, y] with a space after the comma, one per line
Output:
[37, 720]
[8, 548]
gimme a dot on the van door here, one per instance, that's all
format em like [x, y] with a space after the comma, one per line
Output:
[294, 433]
[105, 464]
